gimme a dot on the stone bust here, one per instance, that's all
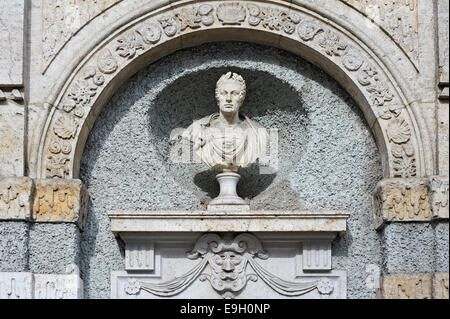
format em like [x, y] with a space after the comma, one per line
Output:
[227, 140]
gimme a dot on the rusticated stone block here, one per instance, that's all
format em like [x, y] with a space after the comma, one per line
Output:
[439, 196]
[440, 285]
[60, 200]
[399, 199]
[418, 286]
[15, 198]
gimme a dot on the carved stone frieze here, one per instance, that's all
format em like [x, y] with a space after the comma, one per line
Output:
[15, 198]
[407, 286]
[440, 285]
[402, 200]
[399, 19]
[439, 196]
[26, 285]
[231, 13]
[59, 200]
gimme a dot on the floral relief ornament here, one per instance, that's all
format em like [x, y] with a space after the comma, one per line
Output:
[273, 18]
[65, 127]
[332, 44]
[82, 92]
[129, 44]
[106, 62]
[308, 29]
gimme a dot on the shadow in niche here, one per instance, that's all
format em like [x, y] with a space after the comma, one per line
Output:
[269, 101]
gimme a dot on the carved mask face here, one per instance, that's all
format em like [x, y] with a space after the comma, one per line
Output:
[229, 96]
[228, 271]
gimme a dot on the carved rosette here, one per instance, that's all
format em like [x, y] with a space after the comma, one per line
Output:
[137, 39]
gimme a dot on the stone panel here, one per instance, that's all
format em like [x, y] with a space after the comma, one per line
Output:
[58, 286]
[407, 286]
[402, 200]
[439, 196]
[16, 285]
[11, 39]
[15, 198]
[60, 201]
[440, 285]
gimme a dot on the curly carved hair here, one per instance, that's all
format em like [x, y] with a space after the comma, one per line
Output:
[232, 76]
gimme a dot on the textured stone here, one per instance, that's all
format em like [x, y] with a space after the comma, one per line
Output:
[12, 124]
[402, 200]
[442, 246]
[59, 200]
[16, 195]
[408, 248]
[11, 37]
[439, 196]
[49, 286]
[14, 238]
[407, 286]
[53, 247]
[16, 285]
[440, 286]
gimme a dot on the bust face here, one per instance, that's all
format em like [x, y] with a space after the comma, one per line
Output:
[229, 96]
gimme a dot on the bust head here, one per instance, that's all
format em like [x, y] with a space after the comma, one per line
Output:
[230, 92]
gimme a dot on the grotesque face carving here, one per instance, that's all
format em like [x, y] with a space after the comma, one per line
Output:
[228, 262]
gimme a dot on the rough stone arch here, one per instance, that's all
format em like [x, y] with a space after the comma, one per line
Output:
[278, 23]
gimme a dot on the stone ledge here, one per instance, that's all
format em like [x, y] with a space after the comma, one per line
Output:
[43, 200]
[226, 221]
[414, 286]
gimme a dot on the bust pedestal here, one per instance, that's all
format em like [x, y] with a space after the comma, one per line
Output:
[228, 254]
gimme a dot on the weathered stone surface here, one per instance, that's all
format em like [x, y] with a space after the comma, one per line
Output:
[440, 285]
[443, 20]
[62, 19]
[58, 200]
[11, 39]
[14, 238]
[16, 194]
[251, 221]
[442, 136]
[53, 247]
[49, 286]
[408, 248]
[442, 246]
[16, 285]
[12, 124]
[407, 286]
[439, 196]
[402, 200]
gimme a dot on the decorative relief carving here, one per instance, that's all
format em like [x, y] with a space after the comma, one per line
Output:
[440, 285]
[106, 62]
[60, 200]
[439, 196]
[129, 44]
[407, 286]
[150, 32]
[397, 18]
[316, 255]
[308, 29]
[62, 19]
[332, 44]
[15, 194]
[228, 260]
[231, 13]
[402, 200]
[16, 285]
[273, 18]
[169, 25]
[140, 256]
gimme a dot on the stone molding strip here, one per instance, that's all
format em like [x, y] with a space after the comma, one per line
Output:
[414, 286]
[26, 285]
[14, 94]
[413, 199]
[43, 200]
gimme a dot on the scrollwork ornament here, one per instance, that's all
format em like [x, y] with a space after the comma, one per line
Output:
[308, 29]
[150, 32]
[367, 74]
[205, 11]
[106, 62]
[254, 12]
[169, 25]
